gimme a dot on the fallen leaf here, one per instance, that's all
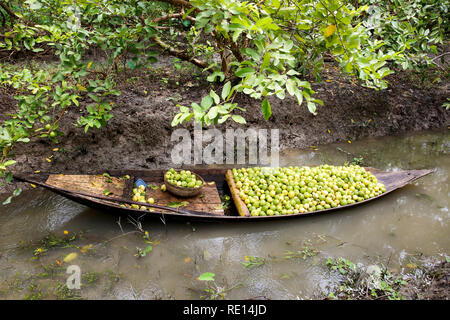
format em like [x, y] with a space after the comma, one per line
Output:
[32, 185]
[187, 260]
[55, 149]
[70, 257]
[177, 204]
[206, 255]
[37, 171]
[48, 160]
[85, 248]
[207, 276]
[81, 88]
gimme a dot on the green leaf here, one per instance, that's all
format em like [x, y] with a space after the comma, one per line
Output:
[206, 103]
[147, 249]
[212, 114]
[223, 119]
[213, 76]
[17, 192]
[7, 201]
[8, 177]
[207, 276]
[299, 96]
[290, 87]
[266, 110]
[226, 91]
[238, 119]
[266, 61]
[312, 107]
[177, 204]
[215, 97]
[243, 72]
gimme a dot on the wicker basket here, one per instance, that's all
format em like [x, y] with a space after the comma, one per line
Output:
[184, 191]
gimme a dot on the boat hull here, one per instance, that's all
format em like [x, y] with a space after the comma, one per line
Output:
[392, 180]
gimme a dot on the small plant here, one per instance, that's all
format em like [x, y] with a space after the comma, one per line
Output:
[446, 105]
[177, 64]
[342, 265]
[63, 293]
[358, 161]
[226, 202]
[143, 252]
[250, 261]
[307, 251]
[364, 283]
[213, 291]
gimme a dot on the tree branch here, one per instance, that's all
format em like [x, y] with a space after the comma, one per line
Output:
[180, 54]
[8, 10]
[171, 16]
[176, 3]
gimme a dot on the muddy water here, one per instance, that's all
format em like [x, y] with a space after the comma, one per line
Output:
[400, 229]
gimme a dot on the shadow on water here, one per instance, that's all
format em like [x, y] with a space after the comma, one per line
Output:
[409, 222]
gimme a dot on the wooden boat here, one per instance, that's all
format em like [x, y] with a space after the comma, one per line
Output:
[111, 190]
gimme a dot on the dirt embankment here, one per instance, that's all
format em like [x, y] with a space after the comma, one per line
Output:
[139, 134]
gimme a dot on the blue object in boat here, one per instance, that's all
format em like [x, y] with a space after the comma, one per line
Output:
[140, 182]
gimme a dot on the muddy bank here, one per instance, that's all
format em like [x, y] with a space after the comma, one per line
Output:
[139, 134]
[432, 283]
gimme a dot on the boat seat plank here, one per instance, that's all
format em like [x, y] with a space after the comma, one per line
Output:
[208, 201]
[95, 184]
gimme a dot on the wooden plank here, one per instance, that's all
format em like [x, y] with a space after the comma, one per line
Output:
[95, 184]
[208, 201]
[240, 205]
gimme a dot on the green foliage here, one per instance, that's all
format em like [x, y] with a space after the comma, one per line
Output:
[357, 283]
[411, 27]
[207, 276]
[212, 109]
[274, 44]
[446, 104]
[143, 252]
[342, 265]
[250, 261]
